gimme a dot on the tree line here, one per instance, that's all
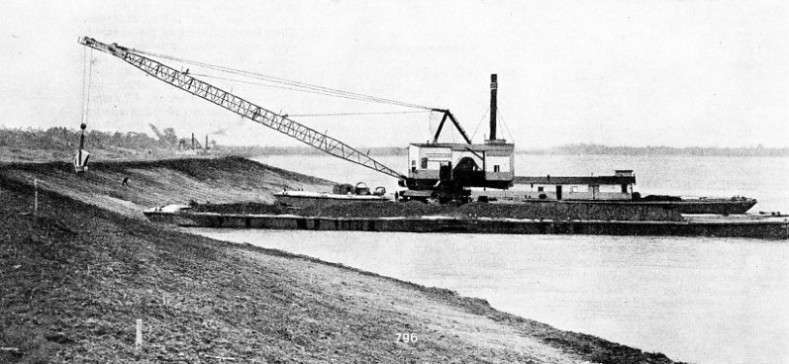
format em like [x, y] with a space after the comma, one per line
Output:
[59, 138]
[597, 149]
[65, 139]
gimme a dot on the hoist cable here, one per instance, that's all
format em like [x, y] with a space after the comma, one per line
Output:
[298, 85]
[284, 87]
[503, 122]
[84, 73]
[359, 113]
[480, 122]
[87, 70]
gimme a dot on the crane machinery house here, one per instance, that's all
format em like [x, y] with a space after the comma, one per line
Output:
[490, 164]
[474, 165]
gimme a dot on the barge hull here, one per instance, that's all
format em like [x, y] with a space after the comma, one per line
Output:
[762, 229]
[711, 206]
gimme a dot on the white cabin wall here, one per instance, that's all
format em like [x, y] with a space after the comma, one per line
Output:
[611, 188]
[413, 157]
[581, 192]
[504, 163]
[550, 188]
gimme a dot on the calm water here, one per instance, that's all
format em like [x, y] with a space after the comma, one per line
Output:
[700, 300]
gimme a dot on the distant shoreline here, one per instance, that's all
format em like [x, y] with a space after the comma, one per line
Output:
[580, 149]
[60, 143]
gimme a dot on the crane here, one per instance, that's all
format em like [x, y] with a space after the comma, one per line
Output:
[240, 106]
[442, 171]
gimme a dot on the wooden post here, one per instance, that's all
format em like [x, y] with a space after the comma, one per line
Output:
[35, 198]
[138, 339]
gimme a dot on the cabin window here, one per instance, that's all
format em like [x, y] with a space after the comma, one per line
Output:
[540, 189]
[496, 168]
[624, 188]
[424, 163]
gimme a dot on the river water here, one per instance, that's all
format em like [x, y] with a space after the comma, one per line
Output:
[700, 300]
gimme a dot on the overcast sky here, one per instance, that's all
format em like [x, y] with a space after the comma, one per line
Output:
[677, 73]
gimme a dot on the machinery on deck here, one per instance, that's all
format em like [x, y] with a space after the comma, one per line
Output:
[440, 171]
[446, 170]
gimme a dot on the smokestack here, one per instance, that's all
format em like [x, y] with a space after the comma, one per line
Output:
[206, 142]
[493, 86]
[193, 141]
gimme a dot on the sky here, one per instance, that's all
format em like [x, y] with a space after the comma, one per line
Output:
[634, 73]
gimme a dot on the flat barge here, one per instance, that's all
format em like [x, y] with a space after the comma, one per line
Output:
[711, 226]
[719, 206]
[306, 198]
[617, 189]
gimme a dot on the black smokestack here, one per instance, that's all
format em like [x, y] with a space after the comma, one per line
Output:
[493, 86]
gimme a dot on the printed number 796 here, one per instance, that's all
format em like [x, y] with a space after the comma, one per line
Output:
[406, 337]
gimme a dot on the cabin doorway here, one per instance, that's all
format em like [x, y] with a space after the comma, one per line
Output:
[468, 172]
[445, 171]
[558, 192]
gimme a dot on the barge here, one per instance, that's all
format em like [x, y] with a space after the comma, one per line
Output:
[341, 194]
[749, 226]
[616, 189]
[685, 205]
[306, 198]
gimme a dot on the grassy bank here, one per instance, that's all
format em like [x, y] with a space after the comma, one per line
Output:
[75, 279]
[154, 183]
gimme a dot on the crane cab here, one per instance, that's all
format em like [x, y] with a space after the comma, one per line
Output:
[467, 165]
[453, 168]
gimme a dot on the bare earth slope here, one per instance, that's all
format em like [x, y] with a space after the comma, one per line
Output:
[155, 183]
[75, 279]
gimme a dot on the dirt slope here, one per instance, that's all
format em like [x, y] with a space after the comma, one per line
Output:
[155, 183]
[75, 279]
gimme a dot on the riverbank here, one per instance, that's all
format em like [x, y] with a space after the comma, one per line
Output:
[169, 181]
[77, 276]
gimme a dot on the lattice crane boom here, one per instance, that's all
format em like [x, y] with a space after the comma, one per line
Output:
[240, 106]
